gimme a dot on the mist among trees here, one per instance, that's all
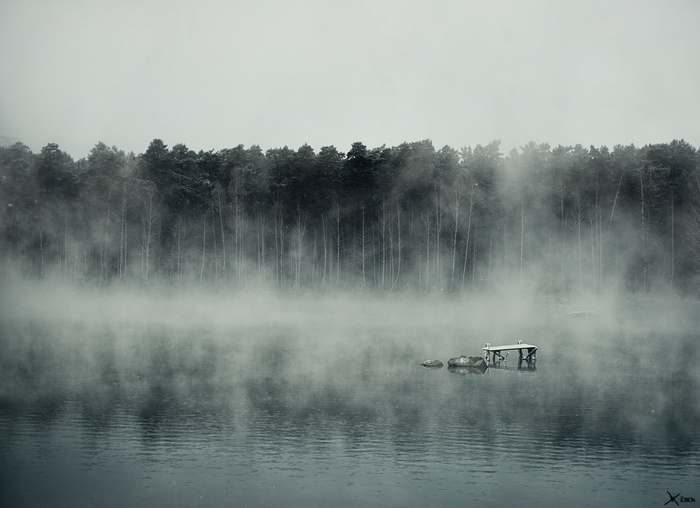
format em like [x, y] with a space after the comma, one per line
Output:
[563, 220]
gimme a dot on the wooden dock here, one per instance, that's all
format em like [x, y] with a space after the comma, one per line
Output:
[497, 356]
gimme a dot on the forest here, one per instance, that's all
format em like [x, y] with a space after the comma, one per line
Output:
[559, 220]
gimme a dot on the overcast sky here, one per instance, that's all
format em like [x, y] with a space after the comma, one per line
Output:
[215, 74]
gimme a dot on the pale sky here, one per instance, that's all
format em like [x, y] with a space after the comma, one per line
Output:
[214, 74]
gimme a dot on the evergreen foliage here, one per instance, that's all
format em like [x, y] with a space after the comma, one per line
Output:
[408, 217]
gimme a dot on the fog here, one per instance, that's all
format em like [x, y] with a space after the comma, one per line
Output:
[294, 350]
[177, 395]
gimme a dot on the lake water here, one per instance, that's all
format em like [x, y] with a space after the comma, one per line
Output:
[325, 404]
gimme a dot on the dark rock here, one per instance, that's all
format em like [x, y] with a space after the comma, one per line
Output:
[467, 361]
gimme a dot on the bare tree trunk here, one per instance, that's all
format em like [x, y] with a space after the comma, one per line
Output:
[216, 263]
[561, 197]
[102, 262]
[179, 252]
[474, 257]
[337, 243]
[262, 264]
[505, 251]
[398, 268]
[563, 234]
[522, 235]
[427, 253]
[324, 235]
[314, 258]
[146, 249]
[673, 245]
[391, 253]
[375, 277]
[644, 240]
[454, 252]
[454, 197]
[41, 249]
[235, 182]
[220, 208]
[488, 274]
[352, 257]
[122, 238]
[599, 230]
[278, 234]
[364, 282]
[601, 263]
[383, 224]
[65, 243]
[579, 219]
[438, 232]
[85, 253]
[469, 229]
[617, 193]
[260, 246]
[108, 224]
[204, 248]
[593, 268]
[300, 230]
[149, 216]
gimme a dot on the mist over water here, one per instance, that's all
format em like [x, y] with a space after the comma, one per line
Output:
[165, 397]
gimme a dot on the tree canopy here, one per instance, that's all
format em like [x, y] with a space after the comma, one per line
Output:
[408, 217]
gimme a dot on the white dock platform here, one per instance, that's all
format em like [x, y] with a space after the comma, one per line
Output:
[496, 351]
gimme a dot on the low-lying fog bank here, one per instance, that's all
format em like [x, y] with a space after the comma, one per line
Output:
[610, 369]
[505, 311]
[320, 328]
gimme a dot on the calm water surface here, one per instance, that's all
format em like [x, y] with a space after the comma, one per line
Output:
[274, 416]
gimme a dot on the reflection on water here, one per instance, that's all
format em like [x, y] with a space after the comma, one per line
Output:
[272, 417]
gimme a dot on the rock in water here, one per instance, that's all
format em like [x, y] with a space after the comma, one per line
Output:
[478, 362]
[467, 361]
[432, 363]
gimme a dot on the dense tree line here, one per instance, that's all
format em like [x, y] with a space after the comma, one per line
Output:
[406, 217]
